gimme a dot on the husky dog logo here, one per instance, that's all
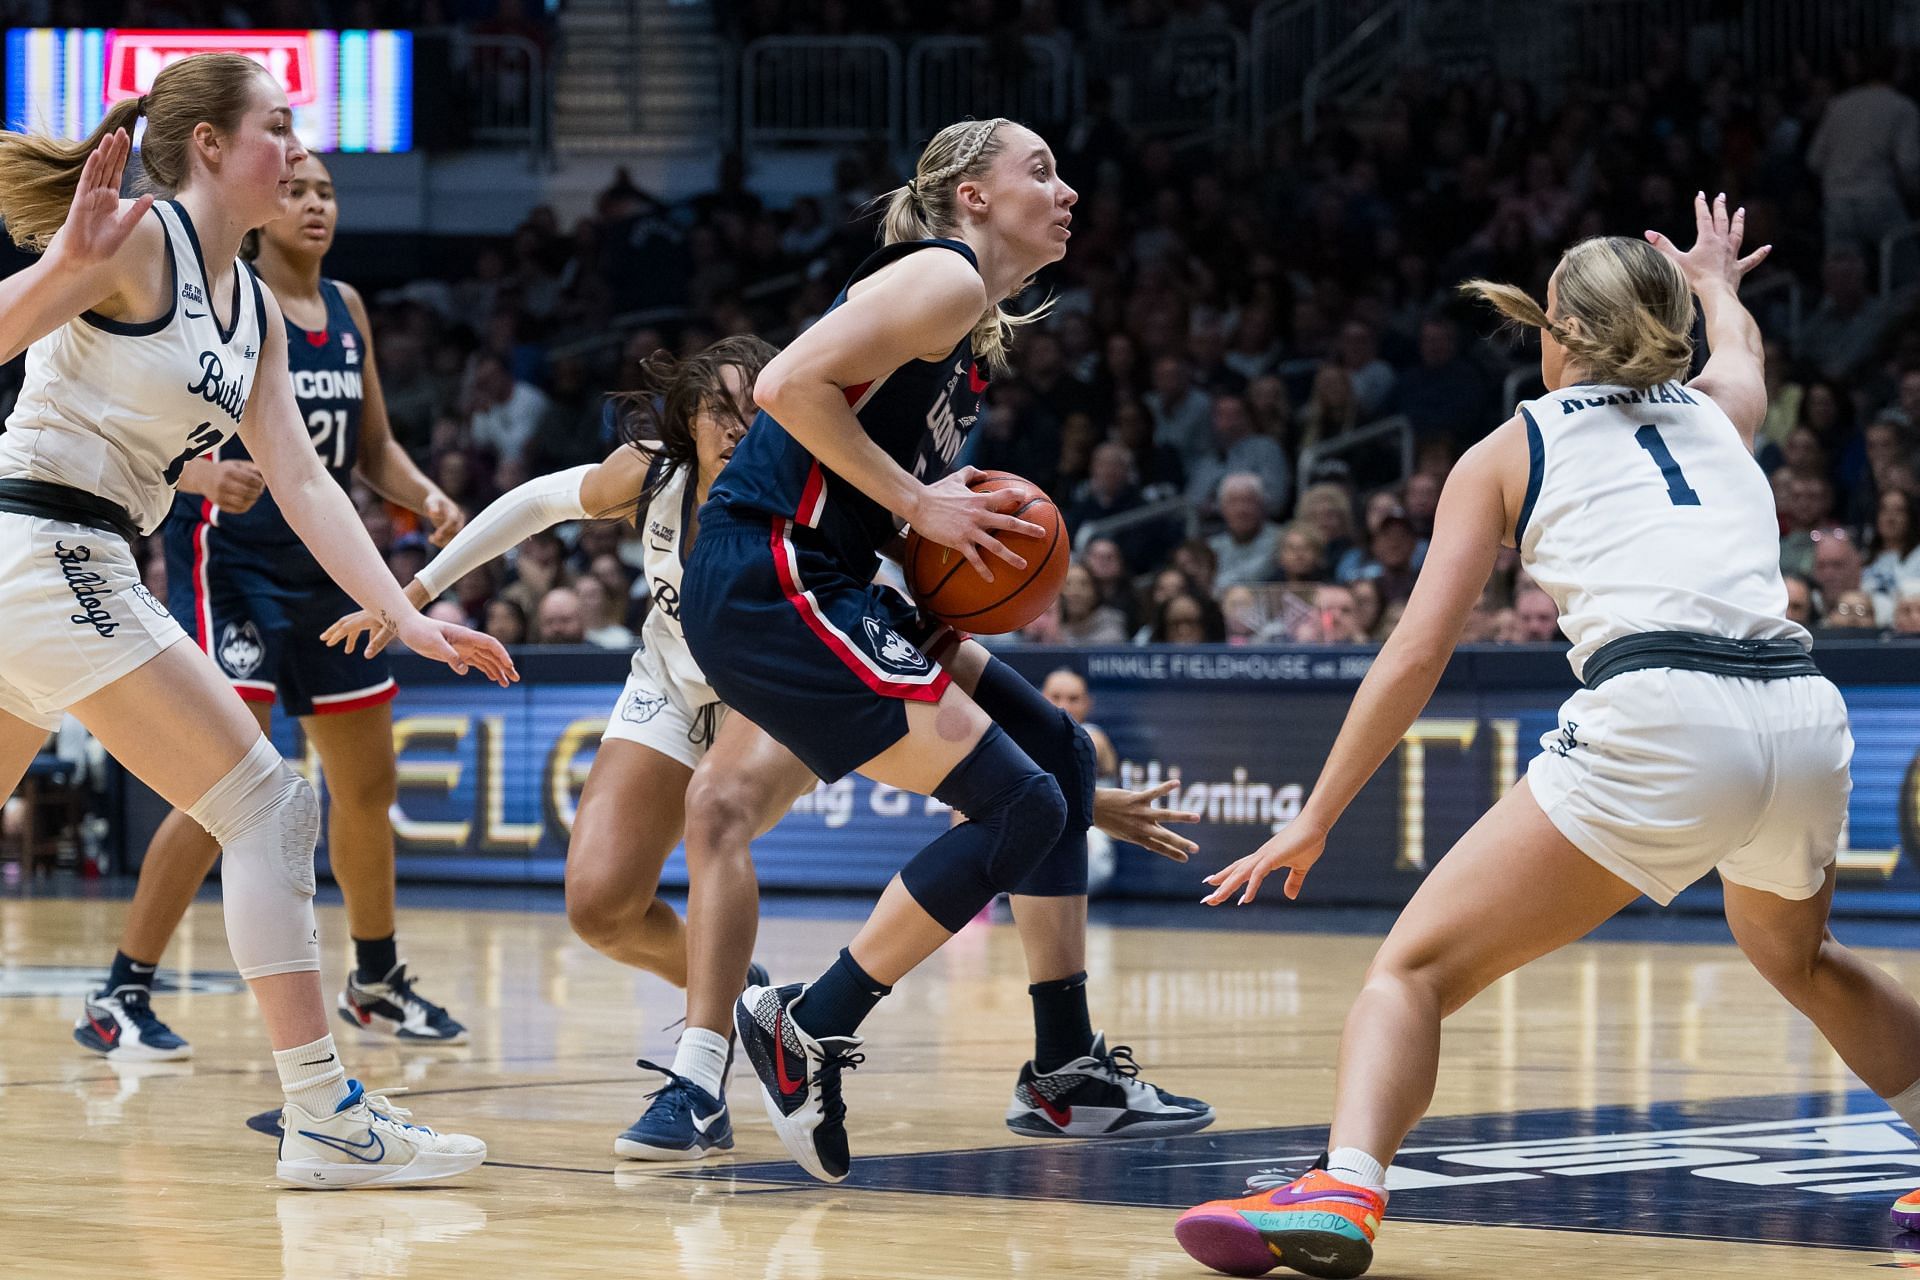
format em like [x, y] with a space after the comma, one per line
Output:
[241, 649]
[892, 648]
[639, 708]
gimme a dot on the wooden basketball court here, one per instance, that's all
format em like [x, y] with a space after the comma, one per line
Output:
[1624, 1109]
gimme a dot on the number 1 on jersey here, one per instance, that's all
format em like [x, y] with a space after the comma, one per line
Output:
[1648, 438]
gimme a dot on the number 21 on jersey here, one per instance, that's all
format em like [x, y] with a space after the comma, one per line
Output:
[1678, 490]
[328, 427]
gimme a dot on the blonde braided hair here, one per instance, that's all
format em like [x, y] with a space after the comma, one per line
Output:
[924, 209]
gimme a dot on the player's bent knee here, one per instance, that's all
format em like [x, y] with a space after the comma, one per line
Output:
[1036, 815]
[266, 819]
[722, 813]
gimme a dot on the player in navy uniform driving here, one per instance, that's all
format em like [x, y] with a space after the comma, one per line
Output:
[253, 597]
[862, 419]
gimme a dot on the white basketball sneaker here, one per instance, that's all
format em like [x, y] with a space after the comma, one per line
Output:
[367, 1142]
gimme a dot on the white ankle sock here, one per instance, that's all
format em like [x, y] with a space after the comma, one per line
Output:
[1351, 1164]
[312, 1076]
[702, 1058]
[1907, 1103]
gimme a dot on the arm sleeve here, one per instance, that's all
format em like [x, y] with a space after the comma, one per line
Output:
[515, 516]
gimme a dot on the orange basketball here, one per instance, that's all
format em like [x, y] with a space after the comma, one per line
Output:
[948, 588]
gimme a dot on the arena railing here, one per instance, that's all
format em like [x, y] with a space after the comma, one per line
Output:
[1289, 38]
[1167, 509]
[1174, 82]
[507, 78]
[820, 89]
[1396, 428]
[952, 77]
[1370, 52]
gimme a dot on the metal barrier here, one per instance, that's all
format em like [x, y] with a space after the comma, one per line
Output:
[1289, 39]
[820, 89]
[506, 77]
[1174, 82]
[1386, 428]
[1612, 41]
[953, 77]
[1152, 513]
[1370, 50]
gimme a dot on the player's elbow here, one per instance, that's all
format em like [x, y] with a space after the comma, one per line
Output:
[773, 390]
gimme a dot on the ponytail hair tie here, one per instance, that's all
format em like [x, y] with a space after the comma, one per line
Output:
[140, 107]
[913, 190]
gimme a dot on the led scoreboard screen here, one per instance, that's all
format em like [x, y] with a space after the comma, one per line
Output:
[351, 90]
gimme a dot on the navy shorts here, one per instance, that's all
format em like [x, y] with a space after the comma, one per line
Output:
[258, 612]
[820, 659]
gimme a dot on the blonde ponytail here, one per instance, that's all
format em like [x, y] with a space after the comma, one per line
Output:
[1626, 313]
[39, 173]
[924, 209]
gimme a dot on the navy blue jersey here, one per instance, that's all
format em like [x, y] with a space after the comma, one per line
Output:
[921, 414]
[327, 367]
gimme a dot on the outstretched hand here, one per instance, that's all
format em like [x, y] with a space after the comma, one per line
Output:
[1297, 847]
[1129, 817]
[96, 225]
[1715, 256]
[457, 646]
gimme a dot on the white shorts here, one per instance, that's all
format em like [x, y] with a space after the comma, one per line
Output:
[655, 712]
[77, 616]
[1662, 775]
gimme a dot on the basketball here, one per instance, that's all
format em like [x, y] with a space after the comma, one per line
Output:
[948, 588]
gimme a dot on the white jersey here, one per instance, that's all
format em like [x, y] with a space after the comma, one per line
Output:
[1646, 512]
[669, 516]
[118, 409]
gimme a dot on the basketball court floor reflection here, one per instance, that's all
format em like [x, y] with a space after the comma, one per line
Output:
[1629, 1107]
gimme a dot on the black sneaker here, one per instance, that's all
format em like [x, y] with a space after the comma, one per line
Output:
[391, 1007]
[1100, 1096]
[799, 1078]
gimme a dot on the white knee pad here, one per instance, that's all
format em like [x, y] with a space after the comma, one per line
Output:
[267, 821]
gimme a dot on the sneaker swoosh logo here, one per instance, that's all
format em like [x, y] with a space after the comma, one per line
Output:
[702, 1124]
[358, 1150]
[788, 1086]
[1059, 1115]
[110, 1033]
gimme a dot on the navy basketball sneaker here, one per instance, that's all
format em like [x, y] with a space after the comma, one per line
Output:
[1100, 1096]
[120, 1025]
[391, 1007]
[684, 1122]
[799, 1078]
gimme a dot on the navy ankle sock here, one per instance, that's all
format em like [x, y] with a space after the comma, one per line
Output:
[374, 958]
[1062, 1030]
[839, 1001]
[128, 972]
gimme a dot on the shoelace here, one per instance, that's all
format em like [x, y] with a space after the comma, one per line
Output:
[827, 1080]
[139, 1009]
[1269, 1179]
[1118, 1060]
[401, 984]
[674, 1093]
[380, 1103]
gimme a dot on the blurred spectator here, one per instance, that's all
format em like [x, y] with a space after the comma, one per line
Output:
[1236, 450]
[1445, 395]
[1111, 491]
[1422, 501]
[1082, 618]
[506, 412]
[1331, 409]
[1108, 564]
[1368, 604]
[1302, 556]
[1810, 515]
[1845, 329]
[1800, 599]
[1895, 548]
[1329, 508]
[1867, 155]
[603, 614]
[1369, 377]
[1244, 551]
[506, 621]
[1836, 568]
[559, 620]
[1334, 619]
[1390, 551]
[1537, 617]
[1851, 611]
[446, 611]
[1189, 618]
[1182, 413]
[1906, 611]
[1067, 689]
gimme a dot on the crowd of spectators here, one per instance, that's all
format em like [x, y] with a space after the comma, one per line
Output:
[1222, 311]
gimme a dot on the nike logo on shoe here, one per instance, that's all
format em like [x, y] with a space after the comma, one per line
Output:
[1059, 1115]
[357, 1150]
[788, 1086]
[110, 1033]
[703, 1123]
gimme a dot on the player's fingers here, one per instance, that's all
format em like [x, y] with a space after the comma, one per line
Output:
[1753, 259]
[973, 558]
[377, 641]
[1176, 815]
[1736, 228]
[1296, 876]
[1013, 524]
[1702, 214]
[1004, 552]
[1253, 886]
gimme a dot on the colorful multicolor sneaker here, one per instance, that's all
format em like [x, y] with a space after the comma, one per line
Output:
[1906, 1212]
[799, 1078]
[1100, 1095]
[1315, 1224]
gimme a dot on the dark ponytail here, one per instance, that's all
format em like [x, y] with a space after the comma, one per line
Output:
[657, 416]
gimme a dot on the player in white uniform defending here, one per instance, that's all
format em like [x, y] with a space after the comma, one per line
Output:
[147, 344]
[1704, 738]
[673, 761]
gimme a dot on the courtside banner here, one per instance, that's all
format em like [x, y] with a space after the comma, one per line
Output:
[489, 778]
